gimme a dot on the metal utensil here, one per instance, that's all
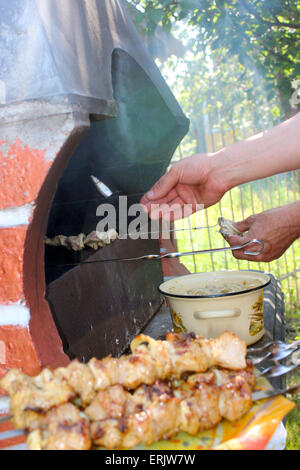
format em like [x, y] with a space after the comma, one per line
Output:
[274, 356]
[261, 394]
[274, 347]
[178, 254]
[168, 230]
[278, 370]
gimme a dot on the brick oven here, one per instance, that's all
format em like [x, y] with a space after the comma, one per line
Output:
[79, 95]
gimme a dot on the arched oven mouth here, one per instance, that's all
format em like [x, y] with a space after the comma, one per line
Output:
[99, 307]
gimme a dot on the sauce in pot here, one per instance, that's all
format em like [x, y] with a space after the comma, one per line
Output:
[222, 288]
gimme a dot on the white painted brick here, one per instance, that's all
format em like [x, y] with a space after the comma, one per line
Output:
[14, 314]
[14, 216]
[4, 405]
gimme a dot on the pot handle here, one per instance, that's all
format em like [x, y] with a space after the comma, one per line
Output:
[207, 315]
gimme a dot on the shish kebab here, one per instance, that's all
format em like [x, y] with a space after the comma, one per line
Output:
[150, 360]
[42, 404]
[118, 419]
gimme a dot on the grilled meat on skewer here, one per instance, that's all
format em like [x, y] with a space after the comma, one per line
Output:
[64, 428]
[94, 240]
[30, 397]
[125, 400]
[150, 360]
[80, 378]
[196, 405]
[119, 419]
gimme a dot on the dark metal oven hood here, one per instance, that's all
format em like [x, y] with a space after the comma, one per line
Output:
[87, 56]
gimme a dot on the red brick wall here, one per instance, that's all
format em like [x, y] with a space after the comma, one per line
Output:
[33, 156]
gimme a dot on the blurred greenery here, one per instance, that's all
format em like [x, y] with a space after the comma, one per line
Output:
[293, 418]
[262, 35]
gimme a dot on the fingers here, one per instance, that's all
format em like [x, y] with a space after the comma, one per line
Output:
[236, 240]
[162, 201]
[165, 200]
[163, 190]
[175, 210]
[157, 208]
[244, 225]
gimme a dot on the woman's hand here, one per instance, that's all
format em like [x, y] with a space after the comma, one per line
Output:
[276, 228]
[204, 178]
[192, 182]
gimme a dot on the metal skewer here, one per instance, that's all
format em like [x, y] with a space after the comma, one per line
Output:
[278, 356]
[259, 395]
[277, 371]
[177, 254]
[275, 347]
[168, 230]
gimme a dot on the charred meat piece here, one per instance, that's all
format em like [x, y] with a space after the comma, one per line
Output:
[235, 398]
[196, 405]
[227, 351]
[96, 240]
[80, 378]
[225, 375]
[199, 402]
[130, 371]
[107, 433]
[110, 403]
[158, 421]
[188, 353]
[64, 429]
[34, 394]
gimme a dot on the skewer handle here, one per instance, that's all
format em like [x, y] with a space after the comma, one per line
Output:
[213, 250]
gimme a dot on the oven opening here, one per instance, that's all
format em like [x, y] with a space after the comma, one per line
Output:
[99, 307]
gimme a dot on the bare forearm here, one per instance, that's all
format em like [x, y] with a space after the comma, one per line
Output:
[274, 151]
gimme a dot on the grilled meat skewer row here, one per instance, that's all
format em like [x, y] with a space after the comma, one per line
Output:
[196, 405]
[152, 360]
[149, 361]
[119, 419]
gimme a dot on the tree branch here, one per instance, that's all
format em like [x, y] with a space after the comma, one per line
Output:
[278, 23]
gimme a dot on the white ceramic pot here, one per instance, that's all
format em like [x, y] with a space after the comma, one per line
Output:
[240, 312]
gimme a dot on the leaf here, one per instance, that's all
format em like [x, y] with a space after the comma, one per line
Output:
[270, 95]
[155, 15]
[167, 26]
[139, 17]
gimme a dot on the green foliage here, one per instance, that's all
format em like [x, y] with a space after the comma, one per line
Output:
[219, 95]
[263, 35]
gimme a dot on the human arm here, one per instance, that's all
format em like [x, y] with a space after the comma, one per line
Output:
[274, 151]
[205, 178]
